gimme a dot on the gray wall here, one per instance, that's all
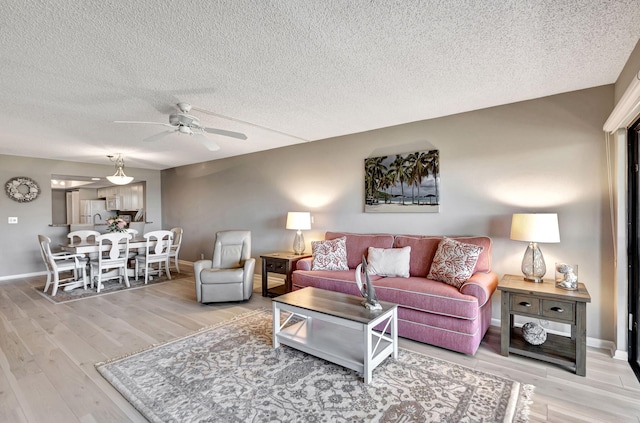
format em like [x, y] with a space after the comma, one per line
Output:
[628, 73]
[543, 155]
[20, 254]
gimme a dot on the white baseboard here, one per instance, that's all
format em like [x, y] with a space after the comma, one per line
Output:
[44, 272]
[23, 275]
[621, 355]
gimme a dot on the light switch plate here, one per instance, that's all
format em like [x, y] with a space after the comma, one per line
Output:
[13, 220]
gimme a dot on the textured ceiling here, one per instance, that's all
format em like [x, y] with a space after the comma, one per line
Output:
[296, 71]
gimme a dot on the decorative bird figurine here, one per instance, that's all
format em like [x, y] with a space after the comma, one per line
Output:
[368, 291]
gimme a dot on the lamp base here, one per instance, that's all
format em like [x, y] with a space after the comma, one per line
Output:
[298, 243]
[533, 279]
[533, 266]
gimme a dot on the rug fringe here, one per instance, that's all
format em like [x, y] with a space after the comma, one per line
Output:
[525, 402]
[196, 332]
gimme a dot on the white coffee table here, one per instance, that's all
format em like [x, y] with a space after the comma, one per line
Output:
[338, 328]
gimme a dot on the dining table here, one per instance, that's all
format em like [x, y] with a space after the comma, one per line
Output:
[94, 247]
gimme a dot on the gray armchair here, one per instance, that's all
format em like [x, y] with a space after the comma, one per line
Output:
[229, 276]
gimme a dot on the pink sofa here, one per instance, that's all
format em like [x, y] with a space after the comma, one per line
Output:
[429, 311]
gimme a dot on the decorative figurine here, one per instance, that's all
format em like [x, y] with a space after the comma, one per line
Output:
[368, 291]
[566, 276]
[533, 333]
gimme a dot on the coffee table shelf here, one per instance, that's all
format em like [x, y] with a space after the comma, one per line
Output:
[332, 342]
[337, 328]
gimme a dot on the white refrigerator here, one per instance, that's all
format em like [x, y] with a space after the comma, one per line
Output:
[91, 208]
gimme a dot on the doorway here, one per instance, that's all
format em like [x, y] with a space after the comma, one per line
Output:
[633, 150]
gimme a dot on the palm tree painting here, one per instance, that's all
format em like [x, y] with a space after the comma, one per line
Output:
[403, 183]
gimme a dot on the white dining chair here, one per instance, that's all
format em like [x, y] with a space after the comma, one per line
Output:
[175, 247]
[58, 263]
[156, 251]
[112, 260]
[84, 237]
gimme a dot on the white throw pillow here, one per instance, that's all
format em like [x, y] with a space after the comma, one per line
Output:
[389, 261]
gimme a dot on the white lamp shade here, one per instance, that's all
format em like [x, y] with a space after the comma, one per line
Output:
[120, 180]
[535, 227]
[299, 220]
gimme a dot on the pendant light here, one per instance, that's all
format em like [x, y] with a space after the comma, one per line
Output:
[119, 178]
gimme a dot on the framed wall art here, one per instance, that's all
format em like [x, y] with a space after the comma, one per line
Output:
[403, 183]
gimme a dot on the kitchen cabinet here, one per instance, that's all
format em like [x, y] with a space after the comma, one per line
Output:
[128, 197]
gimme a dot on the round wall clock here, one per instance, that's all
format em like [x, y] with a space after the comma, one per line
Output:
[22, 189]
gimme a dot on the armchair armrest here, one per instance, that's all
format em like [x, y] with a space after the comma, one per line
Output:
[481, 285]
[198, 266]
[249, 269]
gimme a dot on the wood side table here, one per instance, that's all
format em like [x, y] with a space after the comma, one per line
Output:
[282, 263]
[545, 301]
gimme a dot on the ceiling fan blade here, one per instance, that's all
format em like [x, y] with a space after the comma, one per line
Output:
[145, 123]
[210, 144]
[231, 134]
[157, 137]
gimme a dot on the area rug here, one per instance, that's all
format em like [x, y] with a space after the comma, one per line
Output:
[231, 373]
[110, 287]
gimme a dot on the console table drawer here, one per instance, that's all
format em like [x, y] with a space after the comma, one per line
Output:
[525, 304]
[559, 310]
[276, 266]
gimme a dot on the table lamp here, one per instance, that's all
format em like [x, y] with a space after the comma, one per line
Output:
[298, 221]
[534, 228]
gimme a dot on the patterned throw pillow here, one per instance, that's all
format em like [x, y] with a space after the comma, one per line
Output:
[330, 254]
[454, 262]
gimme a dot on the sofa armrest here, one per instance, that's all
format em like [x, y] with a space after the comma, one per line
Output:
[481, 285]
[304, 264]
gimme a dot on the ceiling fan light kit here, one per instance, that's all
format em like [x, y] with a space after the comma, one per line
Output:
[119, 178]
[185, 123]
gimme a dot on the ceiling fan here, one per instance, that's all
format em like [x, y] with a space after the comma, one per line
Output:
[185, 123]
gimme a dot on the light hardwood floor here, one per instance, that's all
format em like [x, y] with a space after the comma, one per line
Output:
[48, 352]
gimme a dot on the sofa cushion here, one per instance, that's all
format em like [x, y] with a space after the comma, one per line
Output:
[329, 254]
[333, 280]
[389, 261]
[423, 249]
[416, 293]
[454, 262]
[358, 244]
